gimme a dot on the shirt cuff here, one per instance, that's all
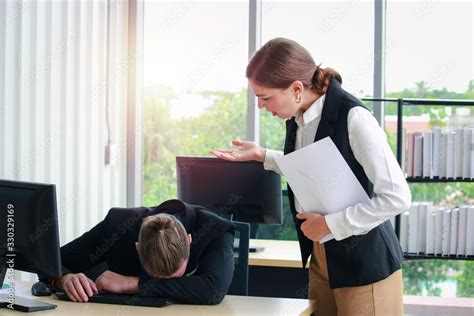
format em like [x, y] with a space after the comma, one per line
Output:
[269, 163]
[52, 284]
[337, 225]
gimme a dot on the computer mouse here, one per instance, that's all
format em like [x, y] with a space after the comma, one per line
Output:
[40, 289]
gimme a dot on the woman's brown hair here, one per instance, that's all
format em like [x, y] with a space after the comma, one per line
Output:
[281, 61]
[163, 244]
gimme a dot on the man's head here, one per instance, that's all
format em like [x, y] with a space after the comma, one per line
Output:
[163, 246]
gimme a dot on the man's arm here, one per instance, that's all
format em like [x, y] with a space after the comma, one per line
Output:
[89, 249]
[77, 286]
[207, 286]
[78, 256]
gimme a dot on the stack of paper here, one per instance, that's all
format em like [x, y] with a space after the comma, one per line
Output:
[442, 153]
[446, 232]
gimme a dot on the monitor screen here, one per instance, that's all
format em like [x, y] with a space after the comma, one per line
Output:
[29, 227]
[243, 190]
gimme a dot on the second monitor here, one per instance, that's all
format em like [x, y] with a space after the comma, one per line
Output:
[244, 191]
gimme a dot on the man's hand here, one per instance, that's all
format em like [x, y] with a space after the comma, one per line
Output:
[314, 226]
[78, 287]
[246, 151]
[116, 283]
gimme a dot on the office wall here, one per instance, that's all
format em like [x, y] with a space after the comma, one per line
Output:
[63, 97]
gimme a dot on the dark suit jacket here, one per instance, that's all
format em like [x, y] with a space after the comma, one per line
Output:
[210, 267]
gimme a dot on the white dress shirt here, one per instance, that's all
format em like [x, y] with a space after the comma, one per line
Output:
[369, 145]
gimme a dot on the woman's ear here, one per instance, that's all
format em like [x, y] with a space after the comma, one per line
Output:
[297, 87]
[137, 246]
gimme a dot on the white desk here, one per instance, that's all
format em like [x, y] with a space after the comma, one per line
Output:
[231, 305]
[277, 253]
[281, 258]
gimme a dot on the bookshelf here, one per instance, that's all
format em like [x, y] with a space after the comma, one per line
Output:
[401, 103]
[435, 180]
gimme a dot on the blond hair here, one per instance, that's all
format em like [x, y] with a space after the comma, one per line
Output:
[163, 244]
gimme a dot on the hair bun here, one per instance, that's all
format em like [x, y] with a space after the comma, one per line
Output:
[317, 73]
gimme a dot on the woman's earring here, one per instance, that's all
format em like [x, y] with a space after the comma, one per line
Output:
[298, 98]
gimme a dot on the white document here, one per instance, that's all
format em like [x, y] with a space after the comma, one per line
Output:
[404, 231]
[427, 159]
[321, 179]
[472, 153]
[462, 227]
[418, 155]
[439, 231]
[470, 231]
[403, 164]
[430, 233]
[436, 151]
[453, 240]
[423, 209]
[413, 227]
[458, 152]
[450, 154]
[446, 232]
[443, 148]
[410, 155]
[466, 160]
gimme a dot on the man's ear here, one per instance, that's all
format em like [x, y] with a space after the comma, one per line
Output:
[190, 239]
[137, 246]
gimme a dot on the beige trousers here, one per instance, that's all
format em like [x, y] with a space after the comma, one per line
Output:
[384, 297]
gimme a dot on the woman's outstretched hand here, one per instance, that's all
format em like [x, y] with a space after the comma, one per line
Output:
[245, 151]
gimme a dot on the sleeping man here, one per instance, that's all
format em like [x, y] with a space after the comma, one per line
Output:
[174, 250]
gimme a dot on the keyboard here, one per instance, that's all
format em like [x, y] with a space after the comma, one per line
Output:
[122, 299]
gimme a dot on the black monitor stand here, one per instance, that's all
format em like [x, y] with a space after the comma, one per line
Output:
[18, 303]
[253, 235]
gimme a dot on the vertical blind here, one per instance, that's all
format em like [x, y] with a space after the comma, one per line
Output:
[63, 99]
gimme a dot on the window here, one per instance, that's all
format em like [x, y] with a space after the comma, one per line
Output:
[196, 92]
[426, 60]
[339, 35]
[194, 85]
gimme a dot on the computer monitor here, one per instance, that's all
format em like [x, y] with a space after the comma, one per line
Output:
[29, 238]
[243, 190]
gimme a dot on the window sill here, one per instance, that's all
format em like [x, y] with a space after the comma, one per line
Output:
[432, 305]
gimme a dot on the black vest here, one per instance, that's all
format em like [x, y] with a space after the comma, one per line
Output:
[356, 260]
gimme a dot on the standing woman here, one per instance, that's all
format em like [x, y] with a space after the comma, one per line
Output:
[358, 272]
